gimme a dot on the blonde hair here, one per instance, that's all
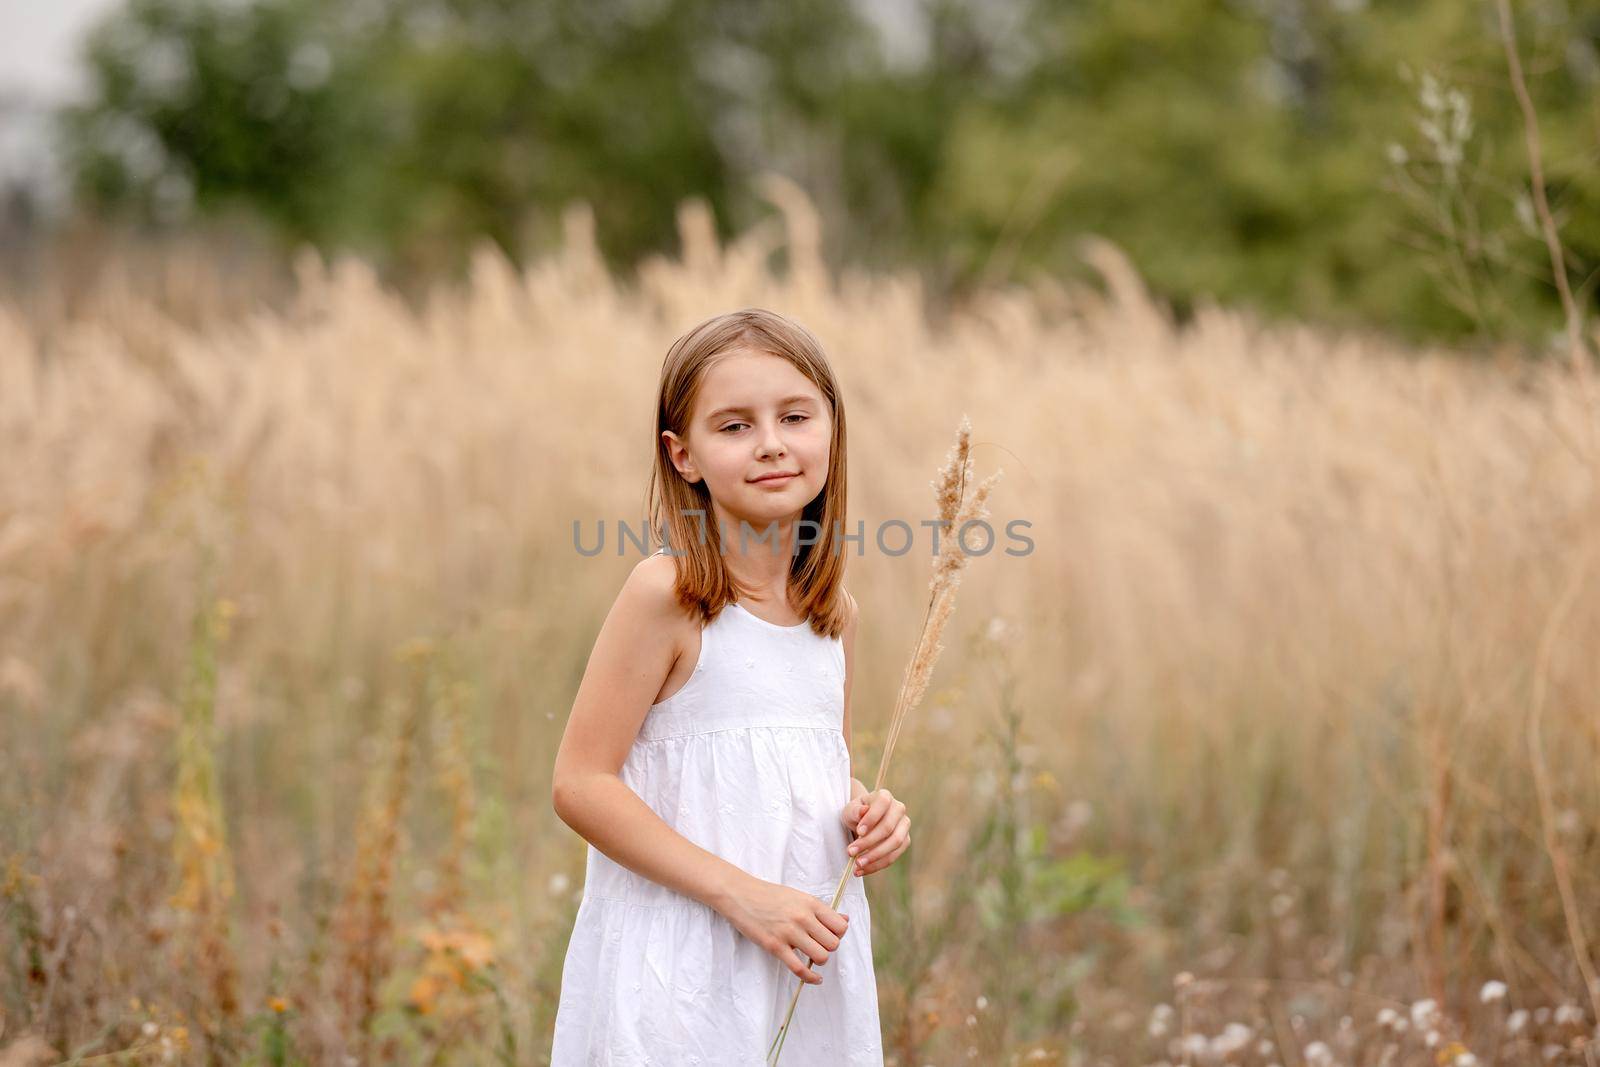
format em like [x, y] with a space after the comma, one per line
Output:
[704, 586]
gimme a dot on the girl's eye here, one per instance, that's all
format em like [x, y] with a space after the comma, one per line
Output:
[791, 415]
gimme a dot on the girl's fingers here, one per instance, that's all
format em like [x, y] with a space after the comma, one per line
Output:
[888, 850]
[879, 831]
[797, 964]
[891, 857]
[877, 803]
[835, 922]
[813, 951]
[872, 812]
[881, 806]
[822, 935]
[901, 834]
[886, 861]
[852, 813]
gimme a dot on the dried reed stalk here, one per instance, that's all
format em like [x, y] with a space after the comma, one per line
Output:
[364, 924]
[201, 856]
[955, 511]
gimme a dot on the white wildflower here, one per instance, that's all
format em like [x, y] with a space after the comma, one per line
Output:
[1234, 1037]
[1523, 206]
[1432, 100]
[1079, 813]
[1425, 1012]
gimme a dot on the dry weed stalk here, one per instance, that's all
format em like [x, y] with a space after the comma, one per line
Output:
[1572, 313]
[454, 777]
[456, 951]
[1578, 354]
[364, 923]
[200, 847]
[955, 512]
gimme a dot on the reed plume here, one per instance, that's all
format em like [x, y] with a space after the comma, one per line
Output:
[956, 510]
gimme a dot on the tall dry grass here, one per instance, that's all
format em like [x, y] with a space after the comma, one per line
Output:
[1292, 702]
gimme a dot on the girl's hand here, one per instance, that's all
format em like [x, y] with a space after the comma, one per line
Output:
[790, 923]
[882, 829]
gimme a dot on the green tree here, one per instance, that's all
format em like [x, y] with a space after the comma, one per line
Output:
[1279, 153]
[219, 106]
[1244, 151]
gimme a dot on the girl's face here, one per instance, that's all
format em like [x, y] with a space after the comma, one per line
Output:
[757, 415]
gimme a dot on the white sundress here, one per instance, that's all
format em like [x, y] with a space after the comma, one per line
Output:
[748, 760]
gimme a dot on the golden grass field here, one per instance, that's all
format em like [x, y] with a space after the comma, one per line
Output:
[1279, 748]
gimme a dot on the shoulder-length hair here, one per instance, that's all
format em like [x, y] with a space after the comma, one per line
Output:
[816, 570]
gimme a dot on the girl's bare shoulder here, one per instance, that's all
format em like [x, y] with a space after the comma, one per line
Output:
[649, 596]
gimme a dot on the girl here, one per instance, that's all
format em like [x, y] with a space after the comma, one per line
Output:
[720, 816]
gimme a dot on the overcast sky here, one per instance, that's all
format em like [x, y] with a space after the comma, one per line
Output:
[37, 43]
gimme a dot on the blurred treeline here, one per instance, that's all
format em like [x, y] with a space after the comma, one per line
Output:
[1341, 161]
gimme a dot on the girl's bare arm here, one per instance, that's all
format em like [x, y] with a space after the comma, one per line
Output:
[631, 658]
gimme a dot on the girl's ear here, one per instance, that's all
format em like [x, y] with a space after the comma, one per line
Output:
[680, 457]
